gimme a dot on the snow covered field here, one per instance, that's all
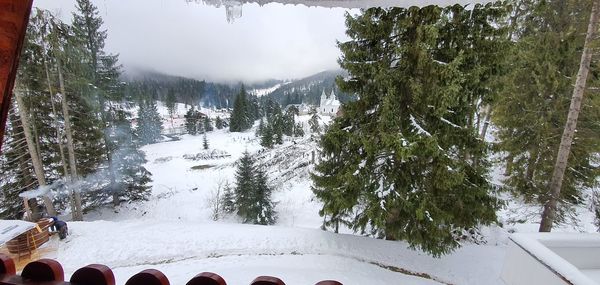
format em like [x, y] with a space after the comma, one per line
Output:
[174, 231]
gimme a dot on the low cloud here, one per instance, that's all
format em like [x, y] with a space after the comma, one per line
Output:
[196, 40]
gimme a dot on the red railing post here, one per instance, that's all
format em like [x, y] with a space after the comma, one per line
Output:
[267, 280]
[207, 278]
[93, 274]
[148, 277]
[43, 270]
[7, 265]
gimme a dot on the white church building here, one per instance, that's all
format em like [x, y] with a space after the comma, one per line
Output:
[329, 106]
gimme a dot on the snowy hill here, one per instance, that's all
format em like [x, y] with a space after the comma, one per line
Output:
[175, 233]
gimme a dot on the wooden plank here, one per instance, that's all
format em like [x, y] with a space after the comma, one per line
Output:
[14, 17]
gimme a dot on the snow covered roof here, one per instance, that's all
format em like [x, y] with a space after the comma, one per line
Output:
[10, 229]
[352, 3]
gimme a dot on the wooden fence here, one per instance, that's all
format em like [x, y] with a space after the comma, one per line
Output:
[50, 272]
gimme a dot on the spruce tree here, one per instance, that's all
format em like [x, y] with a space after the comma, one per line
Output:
[261, 128]
[228, 200]
[278, 126]
[102, 71]
[205, 142]
[266, 139]
[244, 189]
[171, 103]
[298, 130]
[131, 179]
[208, 127]
[313, 122]
[404, 162]
[16, 168]
[253, 194]
[191, 121]
[149, 123]
[532, 109]
[219, 123]
[241, 117]
[263, 208]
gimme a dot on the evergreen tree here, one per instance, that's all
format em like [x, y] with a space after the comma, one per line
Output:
[263, 208]
[228, 199]
[205, 142]
[171, 103]
[278, 126]
[288, 120]
[102, 72]
[313, 122]
[253, 195]
[298, 130]
[532, 109]
[208, 127]
[219, 123]
[266, 139]
[131, 179]
[241, 117]
[192, 121]
[402, 157]
[16, 168]
[261, 128]
[149, 123]
[244, 189]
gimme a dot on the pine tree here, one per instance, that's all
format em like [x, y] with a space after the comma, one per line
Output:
[149, 123]
[191, 121]
[241, 117]
[205, 142]
[278, 126]
[288, 120]
[102, 72]
[16, 168]
[171, 103]
[228, 199]
[253, 195]
[402, 157]
[208, 127]
[298, 130]
[266, 139]
[532, 109]
[219, 123]
[263, 208]
[313, 122]
[244, 189]
[261, 128]
[131, 179]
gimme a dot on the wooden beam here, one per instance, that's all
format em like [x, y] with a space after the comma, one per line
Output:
[14, 16]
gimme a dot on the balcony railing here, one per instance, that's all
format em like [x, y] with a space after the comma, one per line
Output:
[50, 272]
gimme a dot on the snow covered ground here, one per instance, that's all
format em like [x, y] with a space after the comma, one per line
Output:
[174, 231]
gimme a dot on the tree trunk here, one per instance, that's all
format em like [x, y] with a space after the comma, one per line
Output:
[35, 158]
[486, 121]
[77, 213]
[564, 150]
[509, 165]
[58, 132]
[532, 163]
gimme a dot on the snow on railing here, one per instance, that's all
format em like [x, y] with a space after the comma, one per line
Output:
[50, 272]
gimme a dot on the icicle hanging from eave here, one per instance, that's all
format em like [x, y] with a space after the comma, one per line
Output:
[350, 4]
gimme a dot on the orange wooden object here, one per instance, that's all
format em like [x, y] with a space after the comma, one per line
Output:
[14, 16]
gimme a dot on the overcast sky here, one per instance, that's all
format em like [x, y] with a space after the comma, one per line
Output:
[195, 40]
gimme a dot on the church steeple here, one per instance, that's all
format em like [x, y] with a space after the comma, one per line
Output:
[323, 98]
